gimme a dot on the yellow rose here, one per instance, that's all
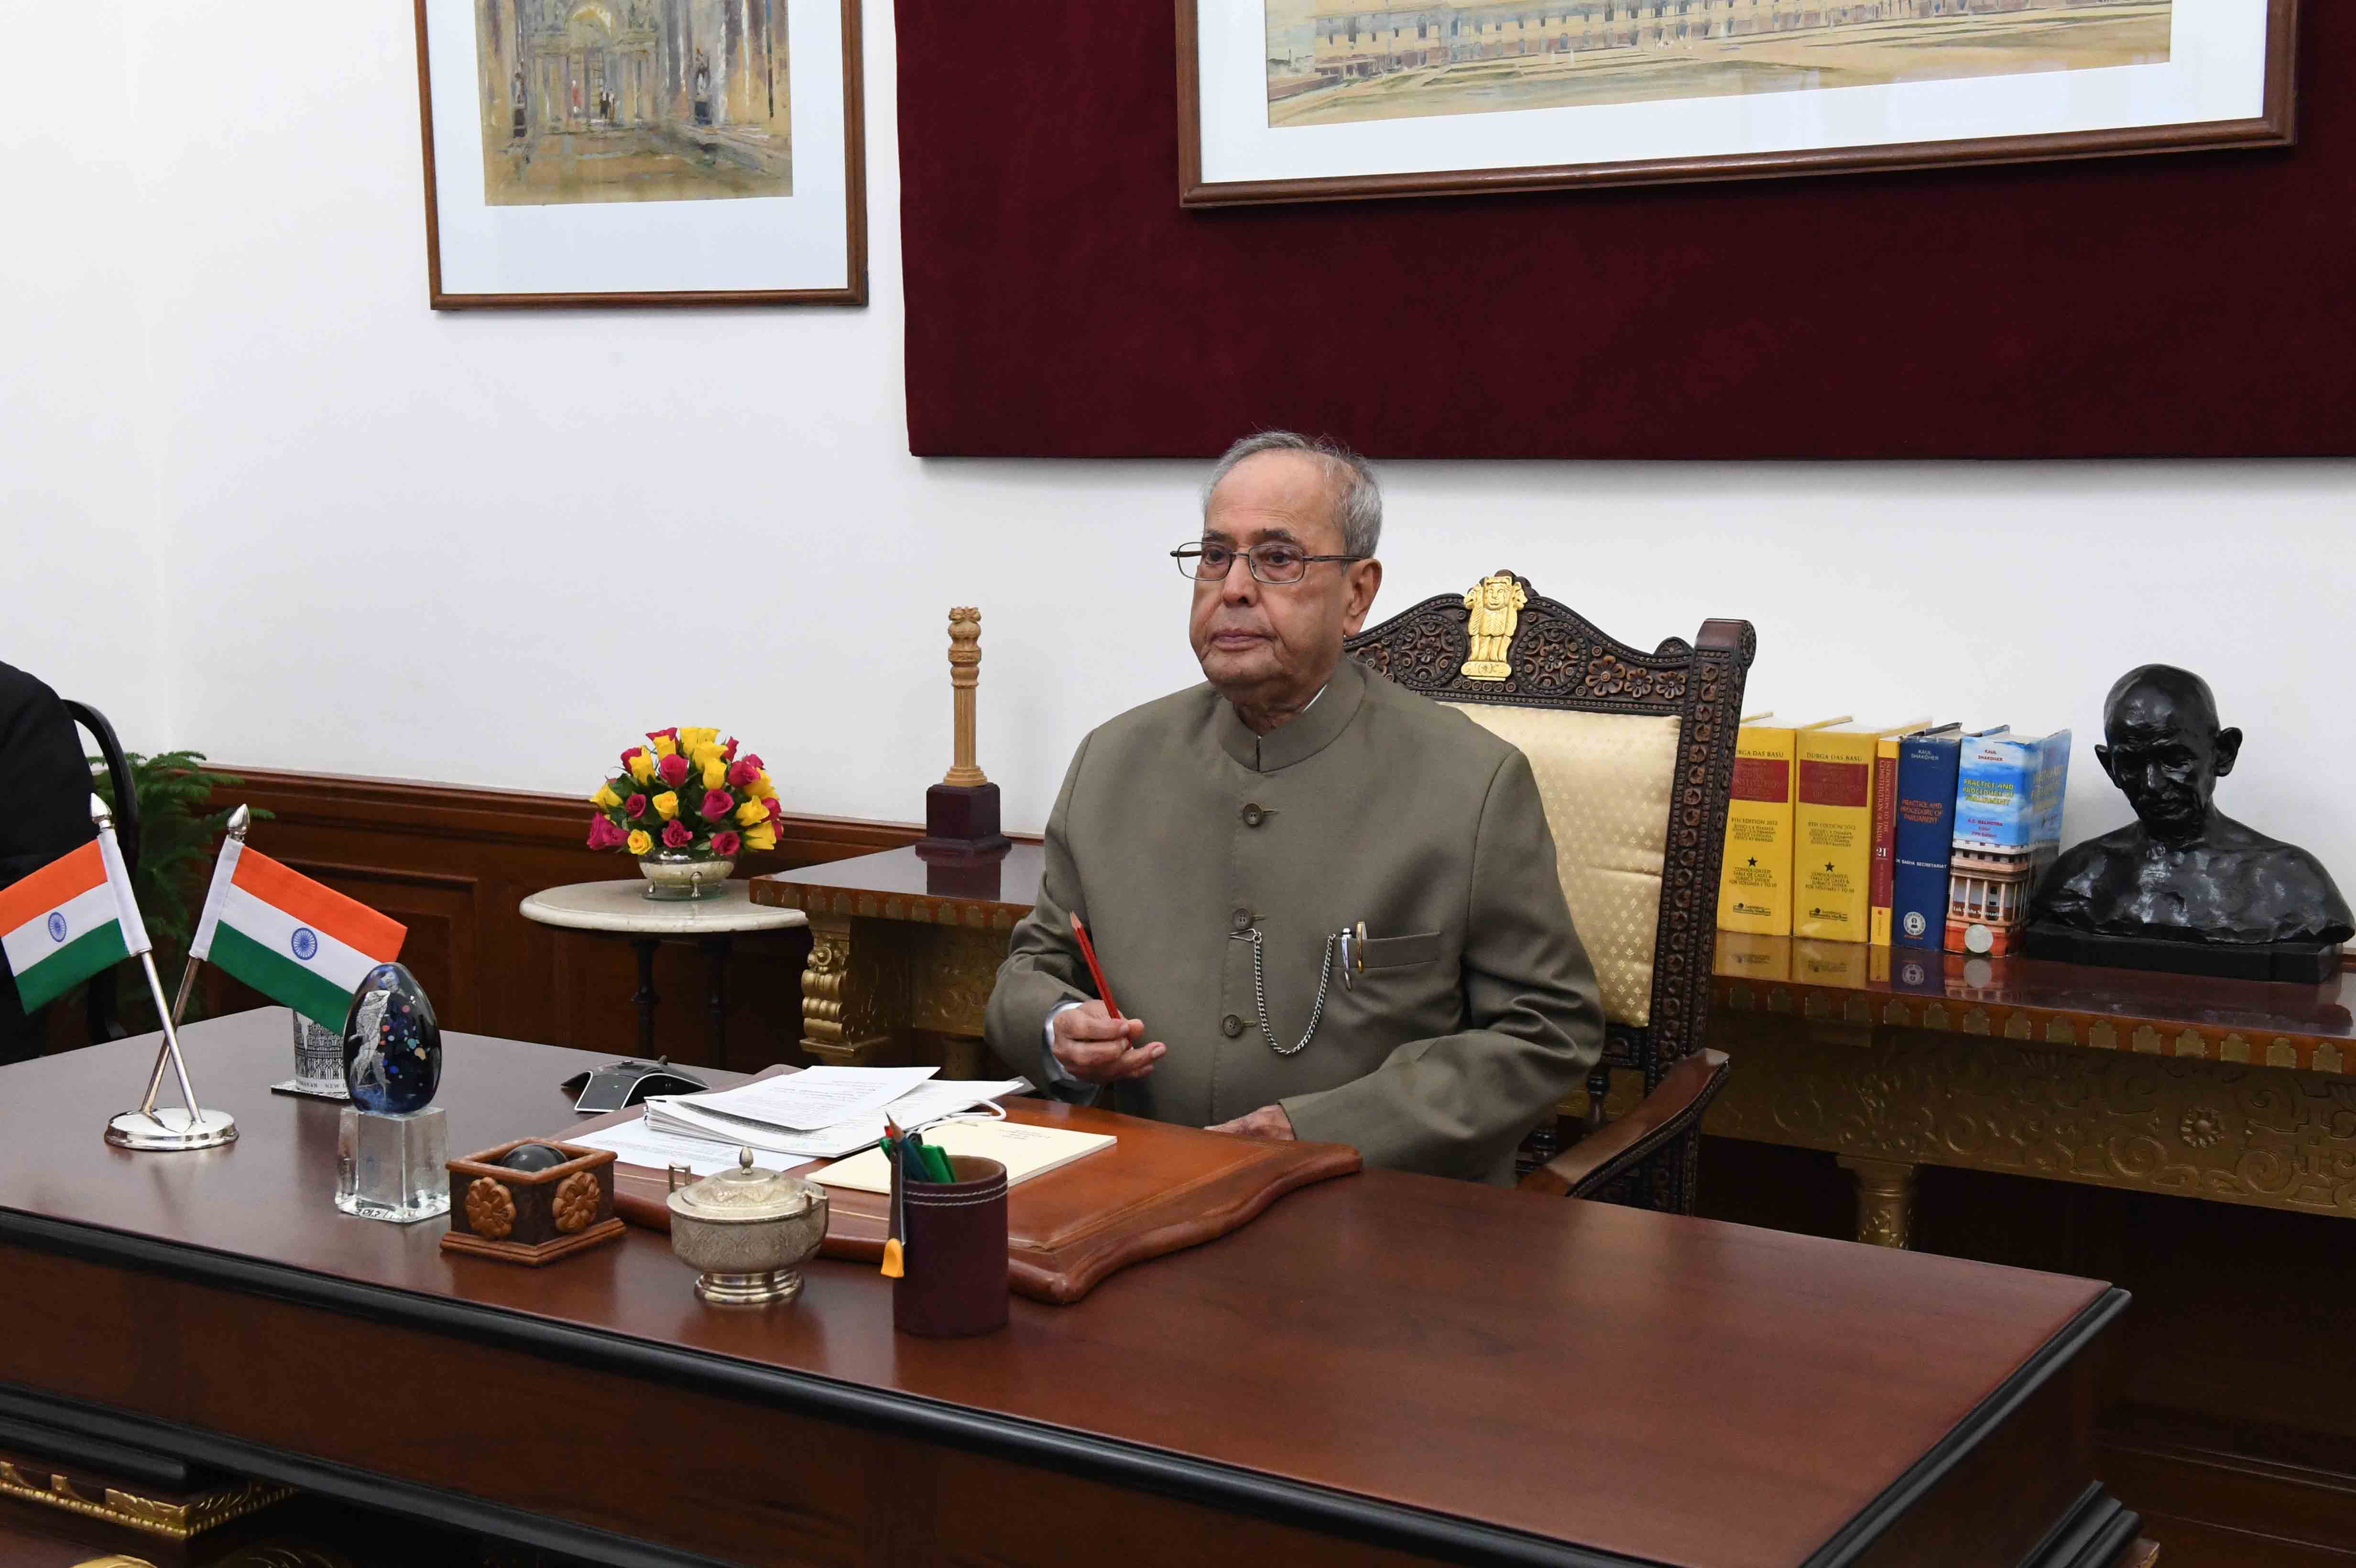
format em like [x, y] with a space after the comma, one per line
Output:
[692, 741]
[762, 787]
[605, 799]
[642, 843]
[664, 746]
[642, 766]
[667, 805]
[753, 813]
[761, 838]
[715, 770]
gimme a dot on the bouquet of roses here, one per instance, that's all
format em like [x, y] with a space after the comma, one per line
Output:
[686, 790]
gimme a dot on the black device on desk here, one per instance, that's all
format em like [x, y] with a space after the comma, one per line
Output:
[621, 1084]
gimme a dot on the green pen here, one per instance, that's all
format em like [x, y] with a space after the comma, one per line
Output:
[931, 1161]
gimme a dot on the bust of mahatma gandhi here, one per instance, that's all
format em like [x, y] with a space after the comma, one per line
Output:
[2183, 871]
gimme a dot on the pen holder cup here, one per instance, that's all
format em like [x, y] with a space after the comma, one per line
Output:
[954, 1249]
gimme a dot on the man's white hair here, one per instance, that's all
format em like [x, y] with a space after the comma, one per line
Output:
[1357, 496]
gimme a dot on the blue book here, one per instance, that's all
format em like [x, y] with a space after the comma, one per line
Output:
[1924, 835]
[2008, 827]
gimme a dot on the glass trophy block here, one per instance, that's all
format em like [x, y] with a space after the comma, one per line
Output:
[318, 1059]
[392, 1167]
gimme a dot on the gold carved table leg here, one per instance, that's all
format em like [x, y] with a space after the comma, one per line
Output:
[854, 993]
[870, 981]
[1885, 1199]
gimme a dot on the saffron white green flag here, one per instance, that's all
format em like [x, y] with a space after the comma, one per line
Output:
[297, 942]
[73, 918]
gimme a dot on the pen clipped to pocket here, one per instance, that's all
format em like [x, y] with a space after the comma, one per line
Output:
[1360, 951]
[1396, 952]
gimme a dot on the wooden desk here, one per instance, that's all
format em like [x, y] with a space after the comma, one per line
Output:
[1382, 1370]
[2234, 1090]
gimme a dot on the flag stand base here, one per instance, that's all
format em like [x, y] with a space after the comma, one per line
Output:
[171, 1129]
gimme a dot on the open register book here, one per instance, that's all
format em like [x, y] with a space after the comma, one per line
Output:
[1025, 1151]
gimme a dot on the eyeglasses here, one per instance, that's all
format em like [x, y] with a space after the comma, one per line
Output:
[1274, 564]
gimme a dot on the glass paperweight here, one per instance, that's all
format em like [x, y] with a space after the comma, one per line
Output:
[393, 1048]
[392, 1167]
[318, 1059]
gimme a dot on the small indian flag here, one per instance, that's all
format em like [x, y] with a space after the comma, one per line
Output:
[73, 918]
[296, 941]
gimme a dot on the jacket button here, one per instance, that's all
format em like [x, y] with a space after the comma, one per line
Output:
[1231, 1026]
[1254, 816]
[1240, 920]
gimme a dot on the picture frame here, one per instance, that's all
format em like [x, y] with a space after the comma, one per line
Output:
[642, 153]
[1299, 101]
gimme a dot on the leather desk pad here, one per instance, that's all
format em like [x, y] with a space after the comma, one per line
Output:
[1157, 1189]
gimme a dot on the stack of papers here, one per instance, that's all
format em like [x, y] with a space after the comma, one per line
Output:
[822, 1113]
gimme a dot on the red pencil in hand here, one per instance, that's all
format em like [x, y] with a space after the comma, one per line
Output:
[1095, 970]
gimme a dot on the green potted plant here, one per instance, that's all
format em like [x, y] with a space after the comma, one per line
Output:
[176, 836]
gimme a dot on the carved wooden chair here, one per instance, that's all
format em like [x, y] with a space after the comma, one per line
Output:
[99, 998]
[1634, 758]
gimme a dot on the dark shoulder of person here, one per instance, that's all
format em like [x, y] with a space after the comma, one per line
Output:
[42, 751]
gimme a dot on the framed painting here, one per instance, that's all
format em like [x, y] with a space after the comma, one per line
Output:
[642, 151]
[1329, 99]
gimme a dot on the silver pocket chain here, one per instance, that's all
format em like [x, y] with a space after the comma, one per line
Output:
[1260, 990]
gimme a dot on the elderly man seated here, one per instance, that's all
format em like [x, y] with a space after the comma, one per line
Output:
[1327, 907]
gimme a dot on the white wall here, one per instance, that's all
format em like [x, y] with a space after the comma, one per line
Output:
[79, 533]
[489, 548]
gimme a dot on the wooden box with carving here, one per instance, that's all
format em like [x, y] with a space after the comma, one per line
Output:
[531, 1217]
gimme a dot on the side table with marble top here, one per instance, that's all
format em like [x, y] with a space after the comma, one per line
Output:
[621, 909]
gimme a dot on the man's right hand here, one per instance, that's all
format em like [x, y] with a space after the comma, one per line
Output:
[1096, 1048]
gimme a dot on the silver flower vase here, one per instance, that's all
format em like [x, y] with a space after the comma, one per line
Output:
[680, 874]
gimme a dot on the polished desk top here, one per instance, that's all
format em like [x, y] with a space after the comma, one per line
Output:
[2306, 1026]
[1673, 1389]
[2249, 1021]
[895, 884]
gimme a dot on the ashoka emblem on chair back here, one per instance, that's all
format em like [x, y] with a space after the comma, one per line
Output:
[1493, 608]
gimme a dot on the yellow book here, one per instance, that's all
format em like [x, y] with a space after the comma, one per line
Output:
[1832, 828]
[1755, 877]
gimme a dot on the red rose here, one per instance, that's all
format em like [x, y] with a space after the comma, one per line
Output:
[602, 833]
[670, 734]
[635, 806]
[725, 845]
[673, 769]
[729, 751]
[676, 834]
[777, 812]
[744, 770]
[718, 805]
[632, 752]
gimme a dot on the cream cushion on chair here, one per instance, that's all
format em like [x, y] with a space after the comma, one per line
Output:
[1605, 779]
